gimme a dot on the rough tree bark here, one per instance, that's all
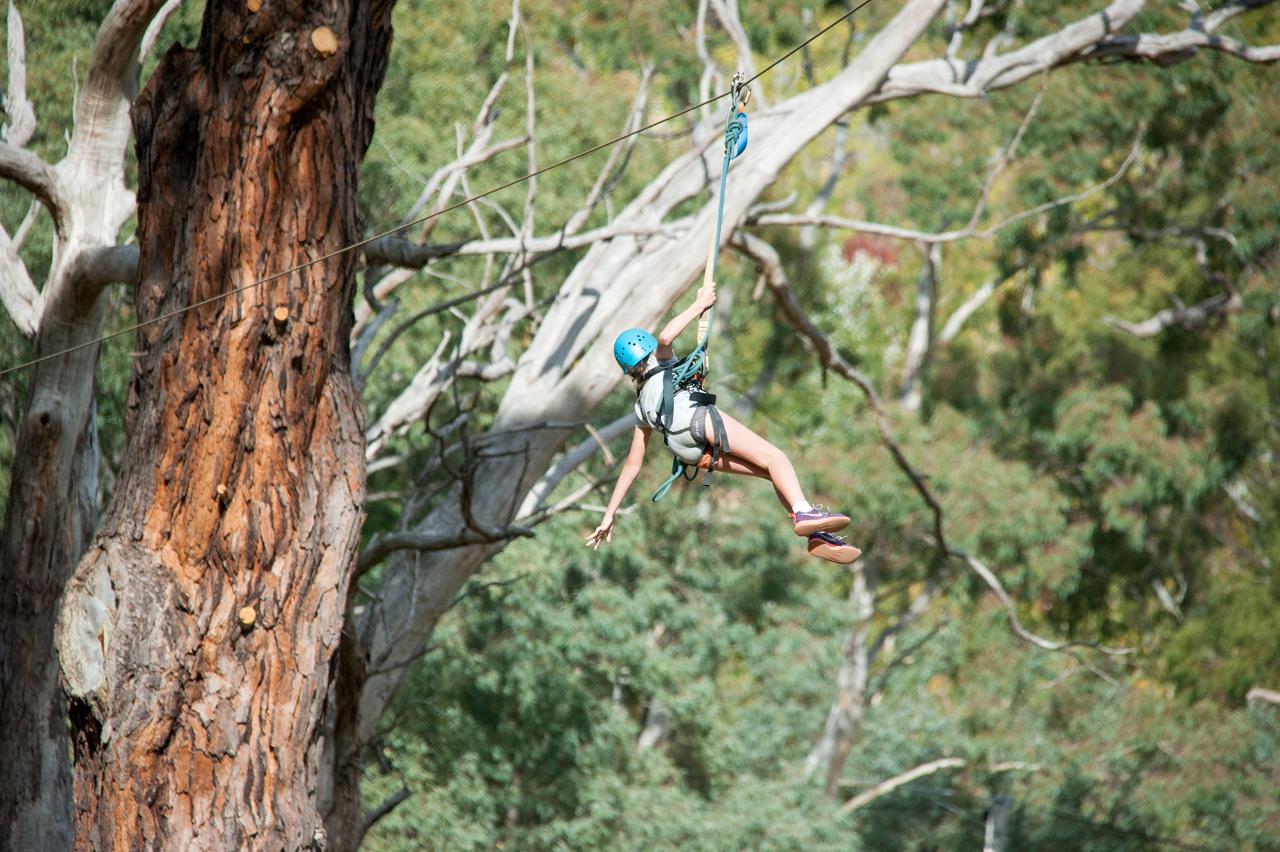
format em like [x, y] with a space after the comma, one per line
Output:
[196, 636]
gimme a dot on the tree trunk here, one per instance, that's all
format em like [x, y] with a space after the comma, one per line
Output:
[844, 719]
[996, 835]
[920, 338]
[197, 634]
[48, 524]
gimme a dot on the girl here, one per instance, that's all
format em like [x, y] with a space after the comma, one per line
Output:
[700, 435]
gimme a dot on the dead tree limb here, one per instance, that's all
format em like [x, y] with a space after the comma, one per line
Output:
[768, 259]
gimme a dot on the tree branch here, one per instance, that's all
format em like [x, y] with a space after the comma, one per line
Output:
[385, 544]
[572, 460]
[1173, 48]
[391, 803]
[153, 29]
[771, 265]
[33, 174]
[18, 293]
[920, 337]
[1094, 37]
[969, 307]
[886, 787]
[92, 173]
[20, 110]
[606, 179]
[97, 267]
[727, 12]
[398, 251]
[1188, 317]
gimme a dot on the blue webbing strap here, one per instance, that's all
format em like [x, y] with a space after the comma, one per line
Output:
[735, 142]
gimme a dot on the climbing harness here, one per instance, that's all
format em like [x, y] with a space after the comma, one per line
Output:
[689, 373]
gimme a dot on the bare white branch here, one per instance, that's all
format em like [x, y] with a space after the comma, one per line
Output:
[1178, 47]
[889, 785]
[844, 719]
[839, 158]
[970, 306]
[20, 110]
[429, 382]
[19, 295]
[1015, 623]
[1189, 317]
[531, 148]
[711, 77]
[1097, 36]
[1003, 160]
[33, 174]
[96, 267]
[153, 29]
[28, 222]
[920, 337]
[93, 170]
[727, 12]
[635, 119]
[571, 461]
[767, 257]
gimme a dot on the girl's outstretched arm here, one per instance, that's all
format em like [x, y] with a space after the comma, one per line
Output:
[706, 298]
[630, 468]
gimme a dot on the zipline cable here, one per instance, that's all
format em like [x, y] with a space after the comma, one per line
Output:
[341, 251]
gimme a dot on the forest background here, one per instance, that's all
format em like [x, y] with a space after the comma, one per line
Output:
[1108, 448]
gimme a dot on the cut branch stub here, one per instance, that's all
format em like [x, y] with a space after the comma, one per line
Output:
[253, 5]
[281, 315]
[247, 618]
[325, 41]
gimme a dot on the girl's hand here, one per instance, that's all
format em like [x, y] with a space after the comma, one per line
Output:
[706, 297]
[602, 534]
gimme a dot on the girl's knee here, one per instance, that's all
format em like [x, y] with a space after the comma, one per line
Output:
[774, 456]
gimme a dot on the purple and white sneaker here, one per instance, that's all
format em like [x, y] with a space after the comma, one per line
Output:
[832, 548]
[818, 519]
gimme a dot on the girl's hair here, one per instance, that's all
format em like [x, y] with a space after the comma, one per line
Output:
[637, 373]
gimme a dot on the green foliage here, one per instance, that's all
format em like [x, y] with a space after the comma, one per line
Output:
[1088, 468]
[1084, 465]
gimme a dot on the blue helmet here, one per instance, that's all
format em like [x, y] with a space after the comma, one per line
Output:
[632, 347]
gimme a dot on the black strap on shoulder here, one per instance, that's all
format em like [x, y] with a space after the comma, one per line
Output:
[649, 374]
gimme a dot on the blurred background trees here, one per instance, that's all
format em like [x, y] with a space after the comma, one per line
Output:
[1093, 392]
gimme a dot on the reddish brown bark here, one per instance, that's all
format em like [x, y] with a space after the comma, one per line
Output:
[244, 480]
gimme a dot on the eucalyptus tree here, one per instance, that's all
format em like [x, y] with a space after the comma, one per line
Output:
[198, 629]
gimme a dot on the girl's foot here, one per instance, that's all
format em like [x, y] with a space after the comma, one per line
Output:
[818, 519]
[832, 548]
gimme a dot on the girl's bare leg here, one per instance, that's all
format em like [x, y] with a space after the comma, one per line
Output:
[730, 463]
[746, 446]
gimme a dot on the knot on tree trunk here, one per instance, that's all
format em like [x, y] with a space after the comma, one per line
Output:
[325, 41]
